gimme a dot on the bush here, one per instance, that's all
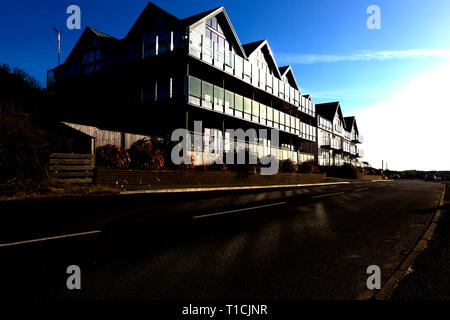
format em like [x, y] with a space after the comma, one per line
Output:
[288, 166]
[111, 156]
[217, 166]
[246, 170]
[346, 171]
[308, 167]
[146, 155]
[24, 149]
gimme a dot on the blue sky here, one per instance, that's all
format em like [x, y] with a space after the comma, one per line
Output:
[333, 53]
[294, 29]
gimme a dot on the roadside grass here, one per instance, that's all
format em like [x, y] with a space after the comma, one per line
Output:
[429, 278]
[61, 191]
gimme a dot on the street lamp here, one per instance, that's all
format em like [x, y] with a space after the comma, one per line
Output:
[59, 45]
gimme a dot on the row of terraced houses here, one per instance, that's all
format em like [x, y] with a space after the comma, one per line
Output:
[168, 73]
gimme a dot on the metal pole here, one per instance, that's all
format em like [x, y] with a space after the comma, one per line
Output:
[59, 45]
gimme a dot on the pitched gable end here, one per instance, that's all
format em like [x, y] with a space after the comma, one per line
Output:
[225, 23]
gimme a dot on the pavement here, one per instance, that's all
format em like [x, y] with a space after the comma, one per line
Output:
[429, 276]
[291, 243]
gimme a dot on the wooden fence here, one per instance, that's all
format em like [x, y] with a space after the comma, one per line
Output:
[72, 168]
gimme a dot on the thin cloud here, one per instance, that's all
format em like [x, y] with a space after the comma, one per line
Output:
[13, 3]
[362, 56]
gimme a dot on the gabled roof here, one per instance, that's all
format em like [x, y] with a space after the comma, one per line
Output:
[307, 96]
[188, 21]
[149, 10]
[100, 34]
[252, 47]
[328, 110]
[349, 123]
[192, 21]
[287, 70]
[90, 33]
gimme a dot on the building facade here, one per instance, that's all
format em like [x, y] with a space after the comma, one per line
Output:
[168, 73]
[338, 136]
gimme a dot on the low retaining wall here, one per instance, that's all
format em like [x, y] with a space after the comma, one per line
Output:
[157, 179]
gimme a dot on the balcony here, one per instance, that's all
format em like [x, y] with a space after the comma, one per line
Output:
[337, 149]
[360, 153]
[208, 96]
[209, 52]
[357, 139]
[212, 146]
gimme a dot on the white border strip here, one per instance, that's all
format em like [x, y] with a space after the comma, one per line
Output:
[176, 190]
[328, 195]
[49, 238]
[238, 210]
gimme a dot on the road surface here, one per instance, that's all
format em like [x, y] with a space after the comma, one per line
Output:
[293, 243]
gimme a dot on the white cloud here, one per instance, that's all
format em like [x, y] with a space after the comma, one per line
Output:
[361, 56]
[410, 130]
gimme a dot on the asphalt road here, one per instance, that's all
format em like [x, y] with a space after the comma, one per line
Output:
[295, 243]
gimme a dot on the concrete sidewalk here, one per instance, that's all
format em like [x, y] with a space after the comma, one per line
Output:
[329, 181]
[429, 276]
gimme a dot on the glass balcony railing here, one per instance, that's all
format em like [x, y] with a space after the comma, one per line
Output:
[357, 138]
[213, 144]
[205, 95]
[360, 153]
[204, 49]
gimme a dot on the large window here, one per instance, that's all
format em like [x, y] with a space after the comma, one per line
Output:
[195, 87]
[239, 66]
[218, 96]
[255, 110]
[247, 105]
[229, 99]
[207, 91]
[163, 88]
[282, 121]
[247, 68]
[238, 102]
[207, 45]
[269, 114]
[91, 61]
[276, 83]
[149, 91]
[263, 111]
[276, 116]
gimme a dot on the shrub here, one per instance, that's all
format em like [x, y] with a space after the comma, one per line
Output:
[288, 166]
[246, 170]
[111, 156]
[308, 167]
[346, 171]
[217, 166]
[24, 149]
[145, 155]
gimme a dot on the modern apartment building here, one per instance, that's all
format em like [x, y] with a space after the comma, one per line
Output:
[338, 136]
[169, 72]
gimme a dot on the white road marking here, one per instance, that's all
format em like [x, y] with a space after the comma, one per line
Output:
[239, 210]
[359, 190]
[49, 238]
[328, 195]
